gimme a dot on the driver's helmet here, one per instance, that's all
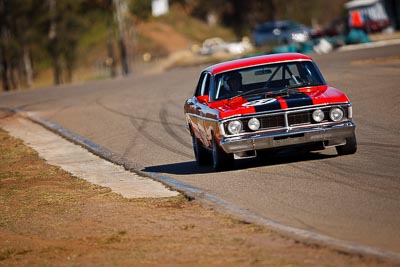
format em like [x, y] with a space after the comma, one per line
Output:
[233, 81]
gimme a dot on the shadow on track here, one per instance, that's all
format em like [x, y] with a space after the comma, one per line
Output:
[271, 159]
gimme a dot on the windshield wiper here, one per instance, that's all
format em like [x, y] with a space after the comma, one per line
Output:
[287, 90]
[252, 91]
[247, 92]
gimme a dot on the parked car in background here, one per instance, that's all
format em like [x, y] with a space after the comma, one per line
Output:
[280, 32]
[247, 106]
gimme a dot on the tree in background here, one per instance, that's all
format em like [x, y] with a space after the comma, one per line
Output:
[121, 8]
[239, 15]
[107, 8]
[115, 12]
[64, 24]
[141, 9]
[30, 27]
[4, 45]
[17, 35]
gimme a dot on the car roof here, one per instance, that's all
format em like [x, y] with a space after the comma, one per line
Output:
[255, 61]
[276, 22]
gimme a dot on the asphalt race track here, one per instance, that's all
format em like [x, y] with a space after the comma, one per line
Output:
[355, 198]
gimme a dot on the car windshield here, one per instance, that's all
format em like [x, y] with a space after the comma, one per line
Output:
[267, 79]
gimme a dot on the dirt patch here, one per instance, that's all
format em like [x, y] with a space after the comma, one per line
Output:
[48, 217]
[165, 36]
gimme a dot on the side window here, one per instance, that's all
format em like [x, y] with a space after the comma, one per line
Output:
[199, 85]
[206, 85]
[203, 86]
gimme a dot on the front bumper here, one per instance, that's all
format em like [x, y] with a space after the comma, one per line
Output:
[330, 136]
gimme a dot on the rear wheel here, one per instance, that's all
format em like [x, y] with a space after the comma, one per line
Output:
[220, 159]
[349, 148]
[200, 153]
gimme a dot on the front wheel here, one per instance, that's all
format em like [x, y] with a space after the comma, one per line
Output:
[220, 159]
[349, 148]
[200, 153]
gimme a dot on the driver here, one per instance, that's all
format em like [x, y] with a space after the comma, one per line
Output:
[232, 84]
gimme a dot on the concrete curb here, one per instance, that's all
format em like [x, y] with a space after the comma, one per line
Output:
[78, 161]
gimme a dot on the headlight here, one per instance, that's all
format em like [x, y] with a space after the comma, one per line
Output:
[318, 115]
[336, 114]
[254, 124]
[235, 127]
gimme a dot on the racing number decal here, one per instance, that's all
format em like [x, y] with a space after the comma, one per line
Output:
[266, 104]
[259, 102]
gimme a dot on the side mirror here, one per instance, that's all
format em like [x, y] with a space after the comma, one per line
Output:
[203, 99]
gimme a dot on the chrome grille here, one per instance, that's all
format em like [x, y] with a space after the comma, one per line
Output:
[275, 121]
[299, 118]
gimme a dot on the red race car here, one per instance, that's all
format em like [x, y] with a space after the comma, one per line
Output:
[246, 106]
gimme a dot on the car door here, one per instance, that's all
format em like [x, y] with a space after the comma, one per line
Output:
[200, 101]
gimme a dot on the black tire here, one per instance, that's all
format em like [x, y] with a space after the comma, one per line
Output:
[349, 148]
[200, 153]
[220, 159]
